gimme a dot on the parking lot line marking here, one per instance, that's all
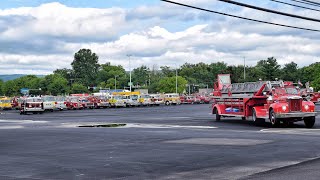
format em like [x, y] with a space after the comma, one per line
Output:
[293, 131]
[20, 121]
[220, 141]
[11, 127]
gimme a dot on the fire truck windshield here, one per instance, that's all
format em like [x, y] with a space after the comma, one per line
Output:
[34, 100]
[287, 90]
[292, 91]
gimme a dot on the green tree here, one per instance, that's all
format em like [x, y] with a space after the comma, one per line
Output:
[141, 75]
[290, 72]
[10, 88]
[85, 66]
[107, 74]
[1, 86]
[168, 84]
[167, 71]
[77, 88]
[66, 73]
[270, 68]
[311, 74]
[59, 85]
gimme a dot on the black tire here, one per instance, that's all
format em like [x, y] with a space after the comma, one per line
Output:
[272, 117]
[167, 103]
[309, 121]
[243, 118]
[257, 121]
[218, 116]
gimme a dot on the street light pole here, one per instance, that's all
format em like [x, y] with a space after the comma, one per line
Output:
[244, 67]
[176, 79]
[129, 55]
[115, 82]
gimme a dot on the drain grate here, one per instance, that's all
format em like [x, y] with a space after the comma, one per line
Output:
[104, 125]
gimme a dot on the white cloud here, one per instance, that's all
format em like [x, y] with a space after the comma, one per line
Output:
[57, 20]
[42, 39]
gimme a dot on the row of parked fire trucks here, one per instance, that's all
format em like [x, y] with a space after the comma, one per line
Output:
[39, 104]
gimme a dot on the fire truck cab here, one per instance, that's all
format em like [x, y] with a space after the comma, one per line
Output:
[261, 100]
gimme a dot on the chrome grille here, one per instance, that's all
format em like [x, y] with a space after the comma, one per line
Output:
[295, 104]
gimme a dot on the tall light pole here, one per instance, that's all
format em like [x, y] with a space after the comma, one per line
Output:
[115, 81]
[244, 67]
[129, 55]
[176, 78]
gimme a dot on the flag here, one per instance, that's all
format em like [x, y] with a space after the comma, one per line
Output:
[307, 84]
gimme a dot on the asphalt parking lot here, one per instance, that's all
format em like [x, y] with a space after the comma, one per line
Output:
[166, 142]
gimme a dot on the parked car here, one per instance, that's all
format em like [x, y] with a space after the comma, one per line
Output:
[204, 99]
[172, 98]
[156, 99]
[5, 102]
[146, 100]
[32, 104]
[49, 103]
[117, 101]
[73, 103]
[60, 102]
[131, 100]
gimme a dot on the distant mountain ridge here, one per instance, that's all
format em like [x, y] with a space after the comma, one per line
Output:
[7, 77]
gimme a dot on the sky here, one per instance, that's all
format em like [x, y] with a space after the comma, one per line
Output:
[40, 36]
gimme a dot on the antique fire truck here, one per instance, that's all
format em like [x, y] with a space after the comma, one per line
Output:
[261, 100]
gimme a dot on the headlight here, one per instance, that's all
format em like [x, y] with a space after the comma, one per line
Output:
[306, 107]
[284, 108]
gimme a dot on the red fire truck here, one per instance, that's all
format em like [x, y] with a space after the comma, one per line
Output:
[315, 97]
[261, 100]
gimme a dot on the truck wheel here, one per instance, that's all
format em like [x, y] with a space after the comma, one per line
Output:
[257, 121]
[167, 103]
[218, 116]
[309, 121]
[274, 121]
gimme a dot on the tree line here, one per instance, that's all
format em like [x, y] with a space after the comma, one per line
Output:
[87, 75]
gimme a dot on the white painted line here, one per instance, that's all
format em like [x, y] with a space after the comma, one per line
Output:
[20, 121]
[132, 125]
[220, 141]
[156, 118]
[166, 126]
[11, 127]
[298, 131]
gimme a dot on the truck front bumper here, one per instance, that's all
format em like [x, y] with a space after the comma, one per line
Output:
[296, 115]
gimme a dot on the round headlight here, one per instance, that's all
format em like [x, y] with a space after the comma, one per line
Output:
[284, 108]
[306, 106]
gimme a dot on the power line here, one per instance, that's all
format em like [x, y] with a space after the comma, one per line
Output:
[312, 2]
[303, 7]
[240, 17]
[303, 2]
[269, 10]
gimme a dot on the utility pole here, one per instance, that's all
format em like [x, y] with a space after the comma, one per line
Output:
[176, 79]
[115, 81]
[129, 55]
[244, 67]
